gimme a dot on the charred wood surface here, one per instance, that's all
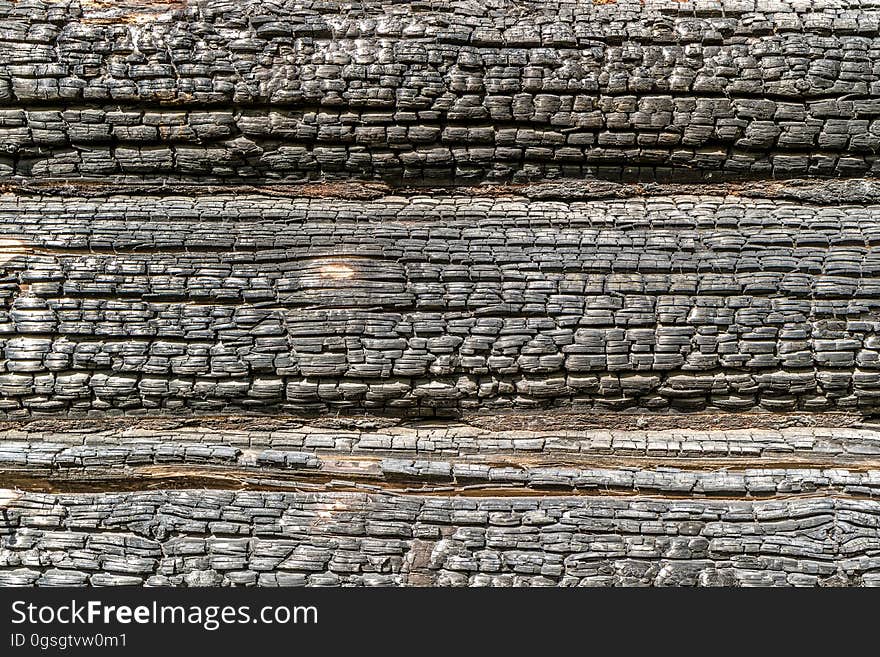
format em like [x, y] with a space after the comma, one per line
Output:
[438, 92]
[439, 294]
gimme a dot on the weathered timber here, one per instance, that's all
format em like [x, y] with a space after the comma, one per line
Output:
[210, 538]
[544, 293]
[451, 457]
[418, 305]
[440, 91]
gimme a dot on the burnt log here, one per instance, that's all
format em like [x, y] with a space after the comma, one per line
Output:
[439, 294]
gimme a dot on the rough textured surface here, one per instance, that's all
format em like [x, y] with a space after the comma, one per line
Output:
[437, 91]
[450, 458]
[426, 293]
[423, 305]
[200, 538]
[438, 504]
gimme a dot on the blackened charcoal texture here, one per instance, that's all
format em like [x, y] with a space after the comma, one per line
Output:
[213, 375]
[440, 92]
[419, 305]
[213, 538]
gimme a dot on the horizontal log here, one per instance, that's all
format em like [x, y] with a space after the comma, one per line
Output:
[264, 321]
[420, 305]
[452, 457]
[200, 538]
[442, 92]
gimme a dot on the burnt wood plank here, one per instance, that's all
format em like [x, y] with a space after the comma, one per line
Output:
[439, 92]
